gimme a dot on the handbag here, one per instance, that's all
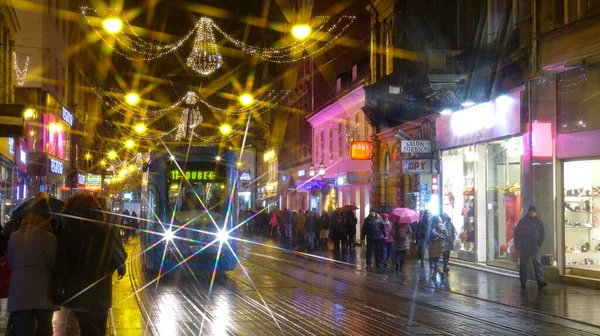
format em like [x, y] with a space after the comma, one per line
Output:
[4, 276]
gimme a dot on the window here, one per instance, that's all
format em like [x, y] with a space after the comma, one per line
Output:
[340, 141]
[316, 144]
[330, 142]
[356, 126]
[348, 136]
[338, 84]
[367, 130]
[322, 145]
[354, 72]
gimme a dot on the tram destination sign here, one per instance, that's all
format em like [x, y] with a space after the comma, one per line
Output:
[194, 175]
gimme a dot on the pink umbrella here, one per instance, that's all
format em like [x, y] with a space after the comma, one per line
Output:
[405, 215]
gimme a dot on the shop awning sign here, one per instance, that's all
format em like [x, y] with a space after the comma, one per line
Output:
[416, 166]
[245, 177]
[359, 177]
[56, 167]
[415, 146]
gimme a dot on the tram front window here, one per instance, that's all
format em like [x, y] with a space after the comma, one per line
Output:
[189, 202]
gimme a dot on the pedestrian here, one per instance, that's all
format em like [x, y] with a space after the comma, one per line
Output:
[400, 233]
[450, 237]
[350, 226]
[301, 226]
[324, 232]
[32, 260]
[388, 243]
[421, 236]
[274, 224]
[125, 230]
[436, 243]
[135, 223]
[294, 223]
[373, 230]
[338, 233]
[529, 237]
[312, 229]
[92, 252]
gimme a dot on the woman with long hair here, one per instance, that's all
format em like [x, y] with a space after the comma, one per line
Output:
[92, 252]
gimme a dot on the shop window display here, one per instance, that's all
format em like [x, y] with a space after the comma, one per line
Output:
[459, 198]
[503, 204]
[582, 214]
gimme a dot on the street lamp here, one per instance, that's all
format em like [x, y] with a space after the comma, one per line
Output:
[112, 25]
[225, 129]
[322, 168]
[28, 113]
[301, 31]
[112, 155]
[132, 98]
[312, 171]
[129, 144]
[246, 99]
[140, 128]
[88, 156]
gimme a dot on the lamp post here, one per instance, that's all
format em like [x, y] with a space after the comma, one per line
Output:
[322, 168]
[312, 171]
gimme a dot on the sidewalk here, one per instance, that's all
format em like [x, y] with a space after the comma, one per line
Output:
[570, 302]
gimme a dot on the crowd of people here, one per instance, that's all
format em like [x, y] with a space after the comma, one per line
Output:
[312, 229]
[64, 259]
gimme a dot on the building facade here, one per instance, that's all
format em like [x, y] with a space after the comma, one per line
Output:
[9, 26]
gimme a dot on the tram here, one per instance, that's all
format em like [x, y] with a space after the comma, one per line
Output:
[183, 183]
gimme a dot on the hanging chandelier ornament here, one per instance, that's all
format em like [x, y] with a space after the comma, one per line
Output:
[205, 58]
[20, 74]
[190, 117]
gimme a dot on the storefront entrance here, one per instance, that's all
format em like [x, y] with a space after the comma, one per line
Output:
[581, 217]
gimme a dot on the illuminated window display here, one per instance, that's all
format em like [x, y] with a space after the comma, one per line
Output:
[459, 198]
[582, 214]
[503, 165]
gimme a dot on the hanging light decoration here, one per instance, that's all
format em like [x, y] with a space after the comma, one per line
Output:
[190, 117]
[205, 58]
[20, 74]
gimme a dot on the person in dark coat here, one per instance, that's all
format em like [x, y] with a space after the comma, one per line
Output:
[325, 224]
[32, 259]
[529, 237]
[451, 236]
[373, 231]
[312, 228]
[92, 252]
[338, 233]
[135, 223]
[421, 236]
[350, 226]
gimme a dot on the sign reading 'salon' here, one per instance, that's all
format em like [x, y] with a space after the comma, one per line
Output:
[416, 146]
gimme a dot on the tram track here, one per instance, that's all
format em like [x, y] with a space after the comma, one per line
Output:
[474, 320]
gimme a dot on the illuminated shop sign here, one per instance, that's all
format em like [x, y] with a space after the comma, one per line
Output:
[81, 179]
[245, 177]
[194, 175]
[494, 119]
[22, 156]
[360, 177]
[56, 167]
[302, 172]
[309, 185]
[93, 182]
[11, 146]
[360, 150]
[416, 166]
[541, 139]
[67, 116]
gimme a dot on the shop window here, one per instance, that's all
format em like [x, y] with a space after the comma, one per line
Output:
[357, 126]
[459, 198]
[340, 141]
[348, 136]
[503, 203]
[322, 146]
[330, 142]
[581, 216]
[578, 100]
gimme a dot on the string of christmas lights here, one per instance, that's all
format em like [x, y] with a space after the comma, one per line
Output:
[190, 117]
[205, 57]
[264, 101]
[20, 74]
[291, 54]
[111, 99]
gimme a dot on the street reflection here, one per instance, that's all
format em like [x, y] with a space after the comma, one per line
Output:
[167, 321]
[222, 316]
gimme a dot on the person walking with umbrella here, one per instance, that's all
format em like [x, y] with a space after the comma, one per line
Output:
[388, 242]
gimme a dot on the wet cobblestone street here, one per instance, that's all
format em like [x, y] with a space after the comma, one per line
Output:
[292, 293]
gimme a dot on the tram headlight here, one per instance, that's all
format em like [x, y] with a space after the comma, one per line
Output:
[222, 235]
[169, 235]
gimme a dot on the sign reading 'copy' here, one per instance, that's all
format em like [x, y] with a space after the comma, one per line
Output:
[416, 166]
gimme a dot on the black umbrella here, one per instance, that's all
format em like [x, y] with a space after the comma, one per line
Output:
[20, 210]
[382, 208]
